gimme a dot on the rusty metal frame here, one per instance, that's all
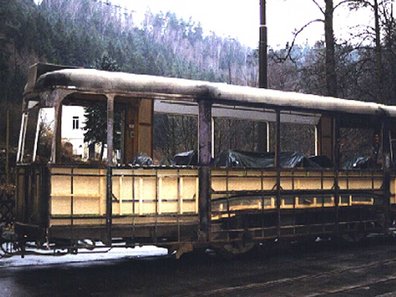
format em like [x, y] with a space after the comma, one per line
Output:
[278, 170]
[341, 227]
[204, 159]
[386, 155]
[207, 94]
[336, 158]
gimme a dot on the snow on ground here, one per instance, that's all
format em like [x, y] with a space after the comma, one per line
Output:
[98, 254]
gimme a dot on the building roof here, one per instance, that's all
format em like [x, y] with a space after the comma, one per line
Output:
[158, 87]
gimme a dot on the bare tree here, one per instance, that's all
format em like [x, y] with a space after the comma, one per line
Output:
[327, 9]
[378, 7]
[331, 74]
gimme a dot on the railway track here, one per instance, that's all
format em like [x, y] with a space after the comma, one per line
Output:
[368, 269]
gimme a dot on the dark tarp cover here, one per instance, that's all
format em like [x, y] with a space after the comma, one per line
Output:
[322, 161]
[359, 162]
[142, 159]
[186, 158]
[231, 158]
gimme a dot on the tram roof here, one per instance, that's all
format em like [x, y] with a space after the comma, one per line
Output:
[158, 87]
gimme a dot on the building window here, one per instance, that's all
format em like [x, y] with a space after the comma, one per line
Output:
[76, 123]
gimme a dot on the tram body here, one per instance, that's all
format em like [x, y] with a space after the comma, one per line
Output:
[61, 203]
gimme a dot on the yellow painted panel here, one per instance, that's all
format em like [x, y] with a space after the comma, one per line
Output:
[169, 207]
[86, 186]
[60, 206]
[148, 207]
[189, 207]
[189, 188]
[60, 185]
[393, 190]
[126, 208]
[77, 222]
[244, 184]
[169, 188]
[168, 184]
[146, 188]
[218, 183]
[86, 206]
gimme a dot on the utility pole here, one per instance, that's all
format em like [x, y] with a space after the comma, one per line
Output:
[263, 59]
[263, 82]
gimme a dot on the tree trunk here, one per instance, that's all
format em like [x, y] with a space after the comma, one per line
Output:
[378, 56]
[331, 76]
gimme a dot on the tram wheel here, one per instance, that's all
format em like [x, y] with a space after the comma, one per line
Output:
[8, 244]
[355, 235]
[237, 247]
[8, 248]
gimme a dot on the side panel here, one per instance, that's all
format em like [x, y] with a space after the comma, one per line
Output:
[246, 201]
[32, 195]
[78, 195]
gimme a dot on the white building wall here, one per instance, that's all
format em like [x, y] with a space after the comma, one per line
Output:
[74, 132]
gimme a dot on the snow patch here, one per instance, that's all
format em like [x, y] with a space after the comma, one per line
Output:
[99, 254]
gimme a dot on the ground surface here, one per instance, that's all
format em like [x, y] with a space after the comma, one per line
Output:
[320, 269]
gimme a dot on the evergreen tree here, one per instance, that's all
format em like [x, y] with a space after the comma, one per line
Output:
[96, 114]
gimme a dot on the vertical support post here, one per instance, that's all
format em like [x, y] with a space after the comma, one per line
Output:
[110, 129]
[57, 96]
[109, 174]
[336, 160]
[21, 140]
[262, 143]
[278, 171]
[213, 137]
[57, 140]
[263, 46]
[7, 165]
[109, 204]
[386, 170]
[204, 159]
[325, 137]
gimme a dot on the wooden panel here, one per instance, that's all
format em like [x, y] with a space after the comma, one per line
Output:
[130, 143]
[242, 181]
[393, 190]
[360, 180]
[162, 191]
[137, 192]
[84, 189]
[145, 133]
[325, 137]
[146, 111]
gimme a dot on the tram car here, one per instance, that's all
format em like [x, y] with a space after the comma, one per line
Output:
[69, 194]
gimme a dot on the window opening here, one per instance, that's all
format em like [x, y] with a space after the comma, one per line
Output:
[76, 123]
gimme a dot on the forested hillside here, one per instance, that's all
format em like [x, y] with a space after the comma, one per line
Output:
[78, 32]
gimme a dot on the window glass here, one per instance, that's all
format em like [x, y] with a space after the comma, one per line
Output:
[360, 148]
[173, 134]
[45, 135]
[84, 132]
[76, 123]
[29, 130]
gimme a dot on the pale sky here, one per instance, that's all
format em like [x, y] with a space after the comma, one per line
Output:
[240, 18]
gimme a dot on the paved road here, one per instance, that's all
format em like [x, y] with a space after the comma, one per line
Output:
[321, 269]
